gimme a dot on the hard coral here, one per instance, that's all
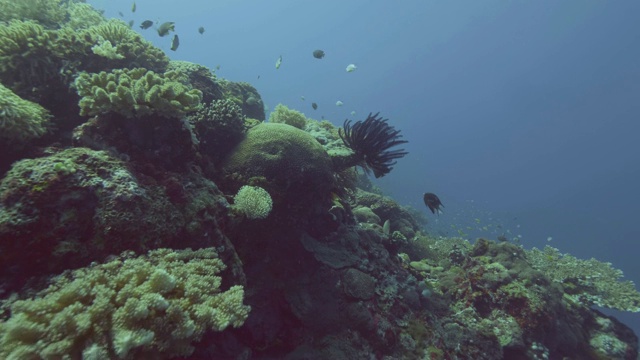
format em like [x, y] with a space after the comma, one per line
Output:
[135, 93]
[282, 114]
[152, 306]
[219, 127]
[20, 119]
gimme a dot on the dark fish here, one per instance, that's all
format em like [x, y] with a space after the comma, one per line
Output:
[433, 202]
[314, 106]
[318, 54]
[146, 24]
[130, 23]
[201, 30]
[120, 13]
[133, 7]
[166, 27]
[175, 43]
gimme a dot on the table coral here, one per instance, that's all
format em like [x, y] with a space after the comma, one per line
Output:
[135, 93]
[151, 306]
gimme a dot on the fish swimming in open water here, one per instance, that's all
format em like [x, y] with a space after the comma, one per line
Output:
[146, 24]
[201, 29]
[166, 27]
[175, 42]
[433, 203]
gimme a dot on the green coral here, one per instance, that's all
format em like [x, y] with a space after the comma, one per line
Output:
[28, 56]
[152, 306]
[49, 13]
[20, 119]
[282, 114]
[136, 51]
[253, 201]
[135, 93]
[589, 282]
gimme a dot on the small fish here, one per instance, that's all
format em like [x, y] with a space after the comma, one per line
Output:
[201, 30]
[279, 62]
[133, 7]
[433, 203]
[120, 13]
[146, 24]
[351, 68]
[339, 103]
[130, 23]
[165, 28]
[302, 98]
[318, 54]
[258, 77]
[218, 67]
[353, 113]
[314, 106]
[175, 42]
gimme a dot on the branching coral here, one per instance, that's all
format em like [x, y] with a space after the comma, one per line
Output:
[28, 55]
[135, 93]
[20, 119]
[371, 140]
[282, 114]
[136, 51]
[253, 201]
[151, 306]
[49, 13]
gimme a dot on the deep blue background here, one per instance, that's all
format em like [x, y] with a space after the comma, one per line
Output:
[523, 116]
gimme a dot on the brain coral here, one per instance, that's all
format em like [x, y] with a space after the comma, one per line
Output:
[151, 306]
[287, 162]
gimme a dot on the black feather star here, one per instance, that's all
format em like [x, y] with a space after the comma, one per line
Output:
[371, 140]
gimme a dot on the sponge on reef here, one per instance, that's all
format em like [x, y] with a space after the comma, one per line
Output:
[152, 306]
[136, 93]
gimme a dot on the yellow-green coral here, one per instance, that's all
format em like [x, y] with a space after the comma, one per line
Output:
[589, 282]
[282, 114]
[27, 54]
[253, 201]
[151, 306]
[132, 46]
[49, 13]
[135, 93]
[20, 119]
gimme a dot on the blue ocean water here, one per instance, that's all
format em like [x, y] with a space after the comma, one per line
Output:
[522, 116]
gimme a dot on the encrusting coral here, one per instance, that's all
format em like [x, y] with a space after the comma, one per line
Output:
[151, 306]
[20, 119]
[135, 93]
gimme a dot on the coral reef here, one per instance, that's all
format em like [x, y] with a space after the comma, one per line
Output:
[332, 268]
[288, 163]
[253, 202]
[284, 115]
[218, 127]
[135, 93]
[152, 306]
[588, 282]
[20, 119]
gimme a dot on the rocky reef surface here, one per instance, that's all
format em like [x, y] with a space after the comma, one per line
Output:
[148, 211]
